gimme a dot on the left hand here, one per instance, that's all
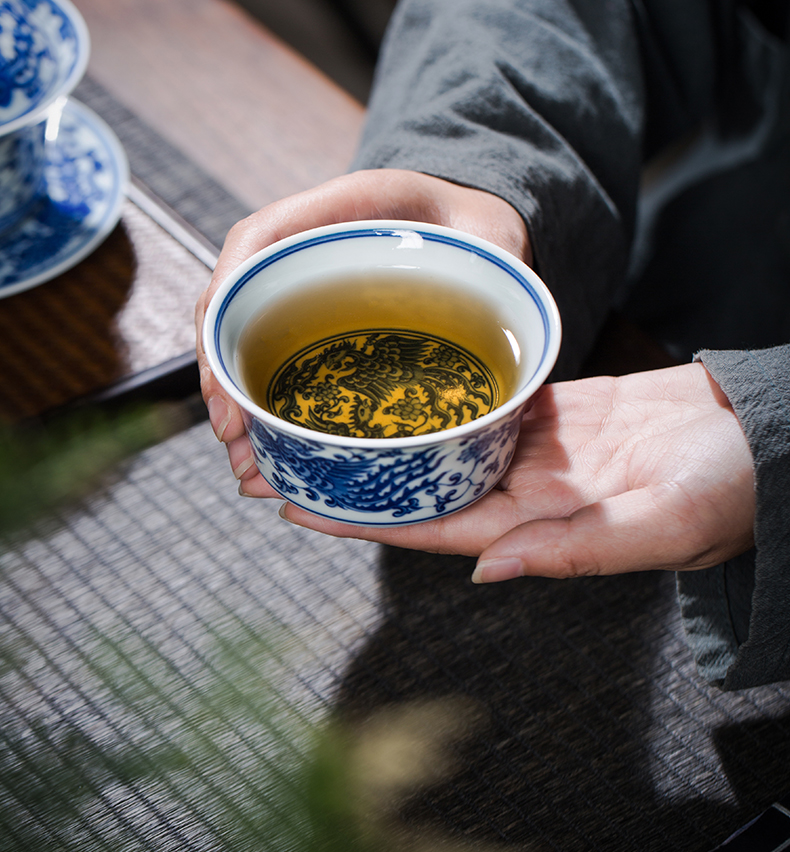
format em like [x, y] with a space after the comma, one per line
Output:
[375, 194]
[647, 471]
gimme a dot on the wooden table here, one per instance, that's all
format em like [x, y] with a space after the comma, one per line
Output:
[246, 110]
[236, 100]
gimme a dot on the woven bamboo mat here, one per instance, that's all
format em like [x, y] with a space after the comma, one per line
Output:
[169, 650]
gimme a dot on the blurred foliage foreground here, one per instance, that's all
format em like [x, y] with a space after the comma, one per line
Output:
[46, 466]
[326, 786]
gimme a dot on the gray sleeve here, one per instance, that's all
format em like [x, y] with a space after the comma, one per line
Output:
[541, 102]
[737, 615]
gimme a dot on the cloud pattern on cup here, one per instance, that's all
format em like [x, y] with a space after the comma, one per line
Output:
[419, 483]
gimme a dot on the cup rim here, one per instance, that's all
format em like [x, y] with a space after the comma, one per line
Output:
[77, 71]
[243, 271]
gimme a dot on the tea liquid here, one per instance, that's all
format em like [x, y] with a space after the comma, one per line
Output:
[380, 355]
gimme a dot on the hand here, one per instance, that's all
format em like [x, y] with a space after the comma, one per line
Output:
[379, 194]
[647, 471]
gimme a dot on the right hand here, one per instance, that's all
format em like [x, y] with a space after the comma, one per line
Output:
[642, 472]
[377, 194]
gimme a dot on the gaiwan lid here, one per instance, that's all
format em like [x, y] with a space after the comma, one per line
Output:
[44, 48]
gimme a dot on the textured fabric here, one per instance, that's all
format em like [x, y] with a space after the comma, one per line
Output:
[557, 107]
[711, 266]
[175, 180]
[463, 93]
[737, 614]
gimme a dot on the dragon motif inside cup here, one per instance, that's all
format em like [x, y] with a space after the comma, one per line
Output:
[382, 383]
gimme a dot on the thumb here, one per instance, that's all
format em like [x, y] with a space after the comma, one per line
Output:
[644, 529]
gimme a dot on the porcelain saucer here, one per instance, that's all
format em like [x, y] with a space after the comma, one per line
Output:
[86, 175]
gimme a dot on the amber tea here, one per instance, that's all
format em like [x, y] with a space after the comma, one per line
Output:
[380, 355]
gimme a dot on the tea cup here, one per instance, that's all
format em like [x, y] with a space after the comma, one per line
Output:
[384, 481]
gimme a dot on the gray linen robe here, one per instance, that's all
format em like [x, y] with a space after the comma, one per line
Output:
[565, 108]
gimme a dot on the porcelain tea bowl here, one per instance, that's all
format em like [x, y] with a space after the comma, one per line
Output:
[44, 49]
[391, 481]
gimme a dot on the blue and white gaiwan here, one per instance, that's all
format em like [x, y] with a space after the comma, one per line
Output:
[385, 482]
[44, 48]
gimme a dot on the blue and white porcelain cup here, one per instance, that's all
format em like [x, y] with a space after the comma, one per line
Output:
[389, 481]
[44, 49]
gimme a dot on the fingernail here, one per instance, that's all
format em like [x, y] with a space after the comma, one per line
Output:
[239, 471]
[218, 415]
[242, 492]
[497, 570]
[281, 513]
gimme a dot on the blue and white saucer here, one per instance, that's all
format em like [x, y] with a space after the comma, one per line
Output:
[86, 175]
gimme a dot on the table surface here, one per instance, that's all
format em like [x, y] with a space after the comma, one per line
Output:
[216, 84]
[215, 89]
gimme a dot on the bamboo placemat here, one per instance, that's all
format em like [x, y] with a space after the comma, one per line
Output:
[170, 650]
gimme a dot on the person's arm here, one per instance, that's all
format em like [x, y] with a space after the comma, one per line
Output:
[544, 103]
[736, 615]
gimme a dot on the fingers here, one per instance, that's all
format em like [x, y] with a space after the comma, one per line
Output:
[242, 463]
[605, 538]
[465, 533]
[255, 485]
[644, 529]
[224, 415]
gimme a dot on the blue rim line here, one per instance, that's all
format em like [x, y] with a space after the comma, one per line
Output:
[384, 232]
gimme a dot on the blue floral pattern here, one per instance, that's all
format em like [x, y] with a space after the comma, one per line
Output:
[85, 180]
[374, 486]
[40, 50]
